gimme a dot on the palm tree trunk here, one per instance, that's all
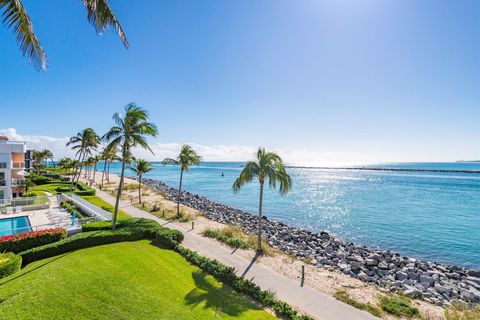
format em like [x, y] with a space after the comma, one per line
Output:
[94, 172]
[179, 193]
[104, 168]
[108, 172]
[80, 172]
[139, 188]
[119, 194]
[75, 168]
[259, 245]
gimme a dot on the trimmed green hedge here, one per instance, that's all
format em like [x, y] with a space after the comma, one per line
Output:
[26, 240]
[84, 190]
[9, 264]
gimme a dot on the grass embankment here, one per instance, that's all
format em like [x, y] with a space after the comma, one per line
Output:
[99, 202]
[50, 187]
[399, 306]
[128, 280]
[234, 237]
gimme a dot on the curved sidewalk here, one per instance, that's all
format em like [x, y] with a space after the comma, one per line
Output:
[315, 303]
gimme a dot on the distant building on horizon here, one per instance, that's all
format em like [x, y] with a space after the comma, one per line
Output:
[12, 168]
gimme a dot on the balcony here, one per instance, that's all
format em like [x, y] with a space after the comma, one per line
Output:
[3, 183]
[18, 182]
[18, 165]
[3, 165]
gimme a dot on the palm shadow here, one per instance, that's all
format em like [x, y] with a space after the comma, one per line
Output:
[221, 299]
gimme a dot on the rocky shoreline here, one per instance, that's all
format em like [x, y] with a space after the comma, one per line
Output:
[437, 283]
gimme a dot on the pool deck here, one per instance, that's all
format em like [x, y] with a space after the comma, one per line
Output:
[52, 217]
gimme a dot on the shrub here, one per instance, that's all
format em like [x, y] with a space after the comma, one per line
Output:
[39, 180]
[9, 264]
[133, 223]
[84, 190]
[63, 189]
[26, 240]
[398, 306]
[226, 236]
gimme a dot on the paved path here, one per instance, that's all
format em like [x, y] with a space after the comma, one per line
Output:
[315, 303]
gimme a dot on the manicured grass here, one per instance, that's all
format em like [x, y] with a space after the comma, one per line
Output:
[129, 280]
[99, 202]
[49, 187]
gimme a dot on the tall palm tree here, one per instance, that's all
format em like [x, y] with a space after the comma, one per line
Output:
[129, 131]
[66, 164]
[84, 142]
[16, 17]
[185, 159]
[267, 165]
[140, 167]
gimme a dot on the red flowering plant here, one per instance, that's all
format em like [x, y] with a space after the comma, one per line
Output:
[26, 240]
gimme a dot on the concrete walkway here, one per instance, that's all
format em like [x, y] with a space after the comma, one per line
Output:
[315, 303]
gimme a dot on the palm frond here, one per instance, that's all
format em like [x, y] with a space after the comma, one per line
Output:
[101, 15]
[16, 17]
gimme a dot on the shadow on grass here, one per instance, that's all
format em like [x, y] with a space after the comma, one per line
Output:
[221, 299]
[36, 268]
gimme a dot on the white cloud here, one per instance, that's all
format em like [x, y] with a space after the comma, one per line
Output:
[208, 152]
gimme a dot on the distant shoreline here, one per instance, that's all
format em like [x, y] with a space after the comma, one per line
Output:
[387, 169]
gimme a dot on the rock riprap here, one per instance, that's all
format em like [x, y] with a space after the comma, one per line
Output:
[437, 283]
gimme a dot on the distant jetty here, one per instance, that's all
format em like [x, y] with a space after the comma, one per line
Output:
[387, 169]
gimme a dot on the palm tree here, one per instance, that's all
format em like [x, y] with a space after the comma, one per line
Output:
[107, 156]
[84, 142]
[267, 165]
[185, 159]
[140, 167]
[66, 164]
[128, 132]
[15, 16]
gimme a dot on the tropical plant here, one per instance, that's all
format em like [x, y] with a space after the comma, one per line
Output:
[40, 157]
[267, 165]
[84, 142]
[185, 159]
[66, 164]
[129, 131]
[15, 16]
[140, 167]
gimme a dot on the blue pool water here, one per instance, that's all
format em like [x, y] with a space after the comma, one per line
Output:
[428, 215]
[11, 226]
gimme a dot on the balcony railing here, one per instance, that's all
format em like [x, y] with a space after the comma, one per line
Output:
[18, 182]
[18, 165]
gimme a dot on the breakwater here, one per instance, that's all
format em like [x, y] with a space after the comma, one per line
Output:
[437, 283]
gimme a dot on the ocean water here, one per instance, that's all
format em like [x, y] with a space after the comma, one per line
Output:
[428, 215]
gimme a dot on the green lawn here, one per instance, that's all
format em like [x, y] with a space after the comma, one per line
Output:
[129, 280]
[49, 187]
[99, 202]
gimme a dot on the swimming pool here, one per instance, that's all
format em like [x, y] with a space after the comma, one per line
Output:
[15, 225]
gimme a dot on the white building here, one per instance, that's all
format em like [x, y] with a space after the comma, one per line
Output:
[12, 168]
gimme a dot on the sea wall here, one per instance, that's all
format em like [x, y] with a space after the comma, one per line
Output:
[437, 283]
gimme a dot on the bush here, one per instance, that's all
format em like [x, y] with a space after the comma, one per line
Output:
[26, 240]
[398, 306]
[39, 180]
[64, 189]
[229, 235]
[462, 312]
[9, 264]
[84, 190]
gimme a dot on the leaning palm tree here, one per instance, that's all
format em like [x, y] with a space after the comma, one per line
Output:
[185, 159]
[267, 165]
[84, 142]
[15, 16]
[129, 131]
[140, 167]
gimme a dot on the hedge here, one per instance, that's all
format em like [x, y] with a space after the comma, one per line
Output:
[26, 240]
[84, 190]
[9, 264]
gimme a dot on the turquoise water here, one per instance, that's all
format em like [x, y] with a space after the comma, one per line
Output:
[428, 215]
[11, 226]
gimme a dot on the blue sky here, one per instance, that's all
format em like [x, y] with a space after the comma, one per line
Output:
[318, 80]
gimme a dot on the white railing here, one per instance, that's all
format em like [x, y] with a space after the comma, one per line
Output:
[16, 205]
[18, 165]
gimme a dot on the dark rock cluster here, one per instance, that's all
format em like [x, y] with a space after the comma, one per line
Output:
[437, 283]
